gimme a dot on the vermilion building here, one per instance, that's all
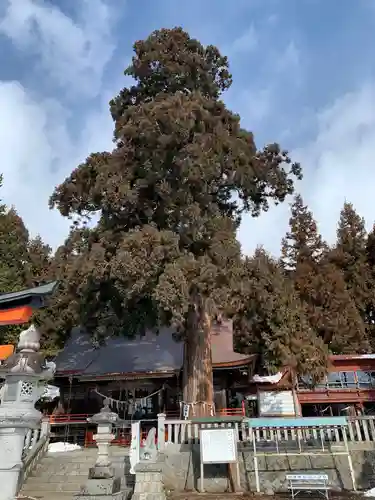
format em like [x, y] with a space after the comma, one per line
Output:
[349, 388]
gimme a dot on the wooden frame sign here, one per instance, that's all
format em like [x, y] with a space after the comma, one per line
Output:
[218, 446]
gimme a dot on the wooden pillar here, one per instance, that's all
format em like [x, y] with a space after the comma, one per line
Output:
[220, 399]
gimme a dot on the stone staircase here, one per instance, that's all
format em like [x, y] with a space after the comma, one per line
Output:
[59, 476]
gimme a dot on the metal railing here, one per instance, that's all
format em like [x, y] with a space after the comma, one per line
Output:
[359, 430]
[69, 418]
[177, 431]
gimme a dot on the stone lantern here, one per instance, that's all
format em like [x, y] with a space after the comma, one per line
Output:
[103, 482]
[25, 374]
[105, 420]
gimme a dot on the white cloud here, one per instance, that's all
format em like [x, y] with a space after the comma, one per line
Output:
[255, 105]
[257, 102]
[290, 59]
[73, 53]
[38, 153]
[338, 167]
[246, 42]
[38, 147]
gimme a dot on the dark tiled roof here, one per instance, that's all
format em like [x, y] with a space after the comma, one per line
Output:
[222, 345]
[33, 296]
[78, 353]
[150, 353]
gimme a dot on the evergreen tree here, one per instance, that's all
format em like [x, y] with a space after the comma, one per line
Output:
[370, 311]
[57, 319]
[13, 261]
[39, 262]
[170, 198]
[350, 256]
[321, 285]
[302, 244]
[271, 321]
[23, 262]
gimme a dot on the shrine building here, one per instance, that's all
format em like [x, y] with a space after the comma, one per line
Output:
[142, 376]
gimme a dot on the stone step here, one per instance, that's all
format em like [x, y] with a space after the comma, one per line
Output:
[79, 457]
[74, 476]
[60, 468]
[37, 495]
[75, 458]
[59, 487]
[55, 479]
[44, 474]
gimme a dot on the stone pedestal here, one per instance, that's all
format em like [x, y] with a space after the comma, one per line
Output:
[149, 481]
[102, 483]
[11, 441]
[25, 372]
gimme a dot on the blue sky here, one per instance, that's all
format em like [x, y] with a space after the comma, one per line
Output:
[304, 76]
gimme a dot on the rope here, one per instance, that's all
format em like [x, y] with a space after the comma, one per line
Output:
[119, 403]
[194, 403]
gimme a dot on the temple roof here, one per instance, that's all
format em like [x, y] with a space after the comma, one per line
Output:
[32, 296]
[151, 353]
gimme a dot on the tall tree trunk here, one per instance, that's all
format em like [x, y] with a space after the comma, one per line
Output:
[198, 390]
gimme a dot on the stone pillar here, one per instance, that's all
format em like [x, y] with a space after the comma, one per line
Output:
[25, 372]
[102, 481]
[161, 432]
[149, 481]
[45, 428]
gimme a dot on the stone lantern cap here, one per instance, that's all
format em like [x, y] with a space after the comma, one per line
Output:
[27, 360]
[105, 416]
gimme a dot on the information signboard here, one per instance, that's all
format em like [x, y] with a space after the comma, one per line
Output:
[276, 403]
[218, 446]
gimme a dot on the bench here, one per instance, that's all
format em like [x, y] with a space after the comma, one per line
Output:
[308, 482]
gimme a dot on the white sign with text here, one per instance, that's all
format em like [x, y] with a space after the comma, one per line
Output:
[218, 446]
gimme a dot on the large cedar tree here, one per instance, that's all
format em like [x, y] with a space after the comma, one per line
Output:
[170, 197]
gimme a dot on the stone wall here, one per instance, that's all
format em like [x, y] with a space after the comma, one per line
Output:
[182, 470]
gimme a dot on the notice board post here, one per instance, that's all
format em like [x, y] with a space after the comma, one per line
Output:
[218, 446]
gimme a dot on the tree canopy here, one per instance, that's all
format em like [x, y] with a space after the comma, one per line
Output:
[170, 197]
[321, 285]
[271, 321]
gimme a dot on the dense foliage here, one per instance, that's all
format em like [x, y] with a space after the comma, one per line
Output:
[170, 197]
[321, 285]
[24, 262]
